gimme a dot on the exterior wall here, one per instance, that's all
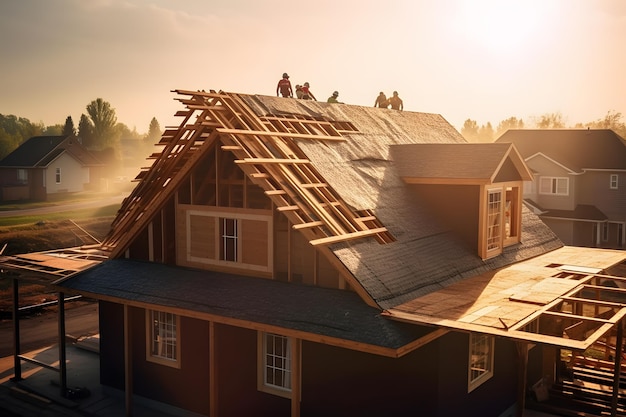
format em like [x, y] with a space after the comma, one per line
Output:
[594, 189]
[335, 381]
[564, 229]
[73, 175]
[12, 189]
[546, 168]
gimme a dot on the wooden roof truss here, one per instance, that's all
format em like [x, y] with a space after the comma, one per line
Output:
[266, 150]
[583, 315]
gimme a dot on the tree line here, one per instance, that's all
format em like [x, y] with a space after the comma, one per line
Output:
[98, 130]
[472, 132]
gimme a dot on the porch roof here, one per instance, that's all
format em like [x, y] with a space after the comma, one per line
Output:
[339, 317]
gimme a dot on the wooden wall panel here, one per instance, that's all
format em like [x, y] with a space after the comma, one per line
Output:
[255, 242]
[202, 231]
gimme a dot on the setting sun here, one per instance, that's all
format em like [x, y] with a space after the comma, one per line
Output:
[501, 26]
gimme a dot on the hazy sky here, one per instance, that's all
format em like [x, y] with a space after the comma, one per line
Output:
[485, 60]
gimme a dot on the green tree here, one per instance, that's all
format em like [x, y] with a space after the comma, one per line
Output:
[103, 120]
[510, 123]
[470, 130]
[14, 131]
[68, 129]
[85, 131]
[550, 121]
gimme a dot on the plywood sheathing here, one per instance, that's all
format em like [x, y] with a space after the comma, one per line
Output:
[502, 302]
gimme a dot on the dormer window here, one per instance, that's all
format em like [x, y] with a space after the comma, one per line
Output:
[474, 189]
[502, 219]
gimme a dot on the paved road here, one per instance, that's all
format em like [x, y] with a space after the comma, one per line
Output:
[40, 331]
[96, 202]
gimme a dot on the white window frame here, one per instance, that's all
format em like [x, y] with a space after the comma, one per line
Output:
[554, 186]
[57, 175]
[480, 360]
[160, 348]
[22, 176]
[229, 241]
[275, 364]
[614, 182]
[495, 222]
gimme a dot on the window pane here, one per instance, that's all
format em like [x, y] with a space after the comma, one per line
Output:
[163, 335]
[277, 361]
[494, 207]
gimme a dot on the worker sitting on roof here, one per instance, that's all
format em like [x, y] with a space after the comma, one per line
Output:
[299, 92]
[381, 101]
[333, 98]
[306, 93]
[396, 102]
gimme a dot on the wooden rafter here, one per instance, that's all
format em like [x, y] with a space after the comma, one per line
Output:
[265, 149]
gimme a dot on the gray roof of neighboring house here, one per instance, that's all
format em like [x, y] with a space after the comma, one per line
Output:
[39, 151]
[577, 149]
[581, 212]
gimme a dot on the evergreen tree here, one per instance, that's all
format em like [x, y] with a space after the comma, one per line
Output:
[68, 129]
[85, 131]
[154, 132]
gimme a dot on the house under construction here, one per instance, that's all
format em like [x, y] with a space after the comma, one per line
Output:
[297, 258]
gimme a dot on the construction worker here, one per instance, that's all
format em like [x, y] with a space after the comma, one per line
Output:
[396, 102]
[284, 87]
[381, 101]
[299, 92]
[333, 98]
[306, 93]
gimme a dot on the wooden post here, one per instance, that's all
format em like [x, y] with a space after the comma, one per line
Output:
[618, 367]
[213, 409]
[62, 353]
[296, 370]
[17, 362]
[128, 363]
[522, 356]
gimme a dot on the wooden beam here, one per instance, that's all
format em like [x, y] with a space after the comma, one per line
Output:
[288, 208]
[315, 185]
[275, 192]
[271, 161]
[231, 148]
[347, 236]
[278, 134]
[576, 317]
[307, 225]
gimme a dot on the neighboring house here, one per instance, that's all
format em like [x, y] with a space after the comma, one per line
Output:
[293, 258]
[47, 165]
[579, 186]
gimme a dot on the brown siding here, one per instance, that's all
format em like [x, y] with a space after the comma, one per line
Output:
[237, 373]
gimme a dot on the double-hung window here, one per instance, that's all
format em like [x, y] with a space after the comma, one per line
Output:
[57, 175]
[275, 364]
[163, 344]
[480, 360]
[554, 185]
[22, 176]
[229, 237]
[613, 182]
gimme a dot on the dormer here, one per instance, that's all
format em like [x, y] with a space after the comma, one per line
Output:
[475, 189]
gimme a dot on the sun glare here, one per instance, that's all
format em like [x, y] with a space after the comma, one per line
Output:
[499, 25]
